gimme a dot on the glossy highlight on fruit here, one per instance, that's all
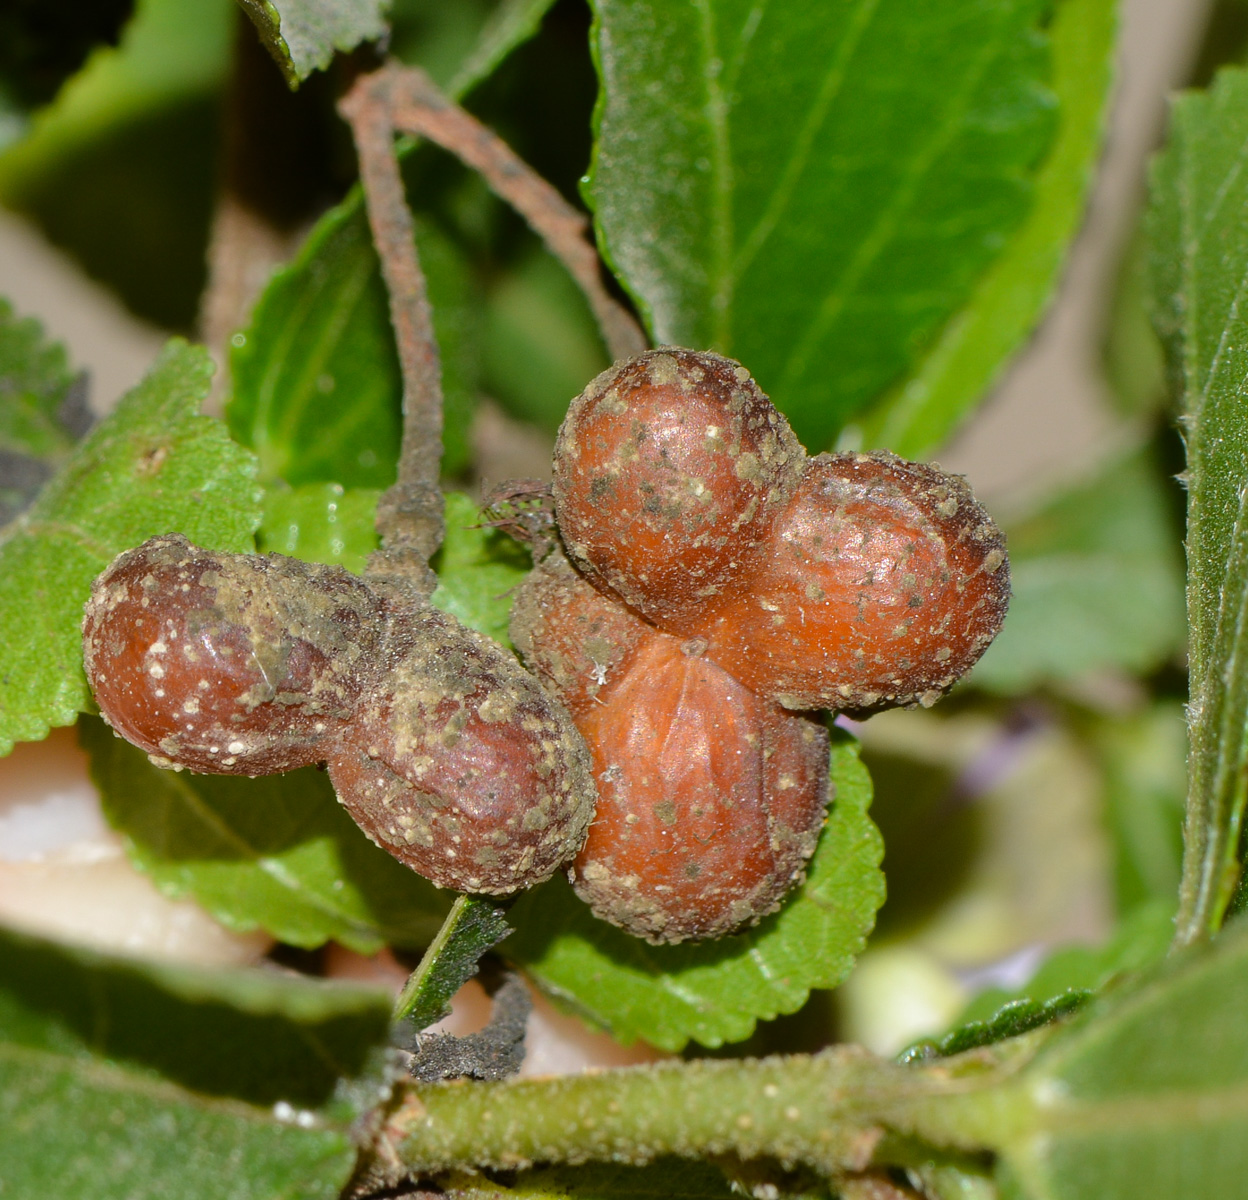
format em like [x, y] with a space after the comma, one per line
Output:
[669, 469]
[227, 663]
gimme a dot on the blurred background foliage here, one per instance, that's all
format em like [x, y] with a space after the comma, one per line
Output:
[1038, 806]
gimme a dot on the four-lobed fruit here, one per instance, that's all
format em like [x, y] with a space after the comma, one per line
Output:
[710, 798]
[253, 664]
[720, 575]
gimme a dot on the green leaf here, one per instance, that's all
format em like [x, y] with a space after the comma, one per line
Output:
[1145, 1096]
[317, 391]
[121, 168]
[320, 522]
[511, 24]
[42, 410]
[127, 1081]
[276, 853]
[715, 992]
[154, 466]
[1144, 758]
[1200, 264]
[975, 345]
[35, 385]
[814, 189]
[541, 344]
[1011, 1019]
[477, 569]
[302, 35]
[39, 51]
[1097, 582]
[473, 926]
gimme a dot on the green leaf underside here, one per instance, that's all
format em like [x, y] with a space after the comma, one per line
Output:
[814, 189]
[1097, 582]
[154, 466]
[320, 522]
[35, 381]
[975, 345]
[473, 926]
[317, 390]
[477, 569]
[124, 1081]
[276, 853]
[302, 35]
[1145, 1096]
[1200, 267]
[715, 992]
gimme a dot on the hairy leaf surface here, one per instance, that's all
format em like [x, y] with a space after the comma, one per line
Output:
[1144, 1097]
[155, 465]
[474, 925]
[1200, 264]
[814, 189]
[715, 992]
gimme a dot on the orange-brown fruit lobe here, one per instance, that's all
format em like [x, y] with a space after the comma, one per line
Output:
[668, 472]
[227, 663]
[575, 639]
[461, 766]
[710, 799]
[885, 582]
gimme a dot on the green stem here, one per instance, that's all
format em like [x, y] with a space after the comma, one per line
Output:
[473, 926]
[830, 1111]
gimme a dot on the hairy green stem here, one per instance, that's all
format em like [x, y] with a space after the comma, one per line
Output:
[831, 1111]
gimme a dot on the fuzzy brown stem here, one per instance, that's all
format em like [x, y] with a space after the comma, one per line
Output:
[421, 109]
[409, 516]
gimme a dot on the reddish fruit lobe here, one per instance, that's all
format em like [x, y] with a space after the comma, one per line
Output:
[886, 582]
[710, 798]
[462, 767]
[227, 663]
[668, 471]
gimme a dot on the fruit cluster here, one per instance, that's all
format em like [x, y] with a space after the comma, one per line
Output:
[443, 749]
[721, 585]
